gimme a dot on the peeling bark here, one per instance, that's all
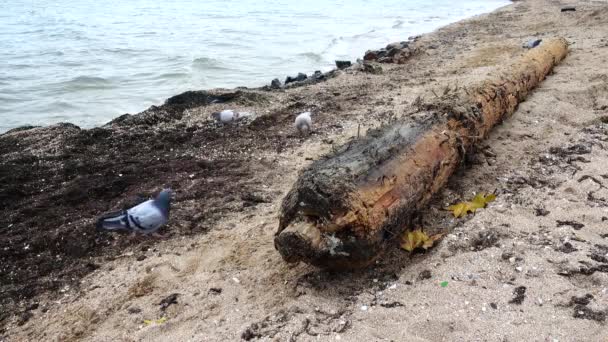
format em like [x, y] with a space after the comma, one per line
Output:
[345, 209]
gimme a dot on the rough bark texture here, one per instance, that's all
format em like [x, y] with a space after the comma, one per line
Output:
[345, 209]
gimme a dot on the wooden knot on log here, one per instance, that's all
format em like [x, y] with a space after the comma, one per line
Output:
[345, 209]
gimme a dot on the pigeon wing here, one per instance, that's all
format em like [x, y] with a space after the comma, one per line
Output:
[146, 217]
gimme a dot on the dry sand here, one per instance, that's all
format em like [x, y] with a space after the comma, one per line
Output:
[547, 163]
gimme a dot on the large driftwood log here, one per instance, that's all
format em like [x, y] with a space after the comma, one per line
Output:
[345, 209]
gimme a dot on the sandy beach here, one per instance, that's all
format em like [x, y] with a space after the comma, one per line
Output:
[532, 266]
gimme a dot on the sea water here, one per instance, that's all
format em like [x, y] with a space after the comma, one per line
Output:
[86, 62]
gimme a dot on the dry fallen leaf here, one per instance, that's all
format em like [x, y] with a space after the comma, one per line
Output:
[157, 321]
[418, 239]
[479, 201]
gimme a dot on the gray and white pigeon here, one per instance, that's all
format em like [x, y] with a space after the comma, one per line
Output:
[303, 123]
[144, 218]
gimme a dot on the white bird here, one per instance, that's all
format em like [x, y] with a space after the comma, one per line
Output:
[303, 123]
[225, 116]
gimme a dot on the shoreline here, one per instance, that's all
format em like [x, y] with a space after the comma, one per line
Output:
[255, 85]
[229, 181]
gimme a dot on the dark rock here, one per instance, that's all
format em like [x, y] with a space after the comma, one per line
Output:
[584, 300]
[568, 9]
[493, 306]
[519, 295]
[566, 248]
[392, 52]
[397, 46]
[484, 239]
[343, 64]
[370, 56]
[275, 84]
[318, 75]
[573, 224]
[583, 312]
[541, 212]
[299, 78]
[141, 258]
[133, 310]
[249, 334]
[426, 274]
[391, 305]
[215, 290]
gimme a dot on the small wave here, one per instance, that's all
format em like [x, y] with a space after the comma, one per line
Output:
[315, 57]
[171, 75]
[86, 82]
[206, 63]
[398, 24]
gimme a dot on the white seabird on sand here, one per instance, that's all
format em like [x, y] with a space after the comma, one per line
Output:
[303, 123]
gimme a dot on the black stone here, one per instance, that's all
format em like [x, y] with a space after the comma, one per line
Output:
[343, 64]
[275, 84]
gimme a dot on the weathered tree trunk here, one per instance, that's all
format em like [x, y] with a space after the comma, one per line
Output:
[344, 210]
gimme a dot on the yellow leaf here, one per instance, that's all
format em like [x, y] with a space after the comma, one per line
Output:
[478, 202]
[157, 321]
[418, 239]
[408, 242]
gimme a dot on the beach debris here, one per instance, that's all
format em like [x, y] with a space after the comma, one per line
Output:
[443, 284]
[303, 123]
[425, 274]
[479, 202]
[541, 212]
[530, 44]
[568, 9]
[155, 321]
[519, 295]
[412, 240]
[345, 209]
[566, 247]
[573, 224]
[343, 64]
[168, 301]
[215, 290]
[144, 218]
[584, 312]
[275, 84]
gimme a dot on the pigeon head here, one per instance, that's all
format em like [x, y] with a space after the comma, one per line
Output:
[163, 200]
[216, 116]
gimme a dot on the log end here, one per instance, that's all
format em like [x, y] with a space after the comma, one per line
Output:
[302, 241]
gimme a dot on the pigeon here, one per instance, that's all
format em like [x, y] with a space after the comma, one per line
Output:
[225, 116]
[144, 218]
[303, 123]
[532, 43]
